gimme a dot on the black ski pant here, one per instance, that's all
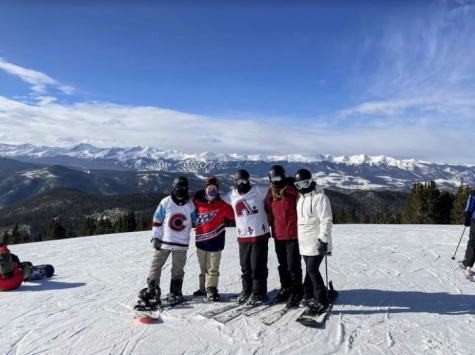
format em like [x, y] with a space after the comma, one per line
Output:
[253, 260]
[469, 259]
[290, 265]
[314, 286]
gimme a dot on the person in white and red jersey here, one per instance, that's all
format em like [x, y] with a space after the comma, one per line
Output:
[252, 234]
[210, 236]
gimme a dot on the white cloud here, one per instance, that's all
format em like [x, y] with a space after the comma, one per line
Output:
[55, 125]
[38, 81]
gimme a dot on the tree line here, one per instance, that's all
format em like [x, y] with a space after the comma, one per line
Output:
[425, 204]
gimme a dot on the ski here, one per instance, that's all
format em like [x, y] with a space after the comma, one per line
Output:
[318, 321]
[255, 310]
[274, 317]
[217, 311]
[245, 308]
[468, 277]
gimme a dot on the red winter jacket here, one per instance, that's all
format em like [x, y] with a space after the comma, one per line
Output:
[16, 280]
[284, 213]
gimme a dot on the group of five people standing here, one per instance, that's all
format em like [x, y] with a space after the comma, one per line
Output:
[300, 221]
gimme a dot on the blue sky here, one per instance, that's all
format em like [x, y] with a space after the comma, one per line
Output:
[340, 77]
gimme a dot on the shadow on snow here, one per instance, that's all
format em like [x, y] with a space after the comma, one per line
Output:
[405, 302]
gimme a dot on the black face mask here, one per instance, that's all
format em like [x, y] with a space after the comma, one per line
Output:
[181, 192]
[280, 184]
[244, 188]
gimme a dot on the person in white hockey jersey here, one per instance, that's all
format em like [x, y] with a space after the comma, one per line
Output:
[172, 224]
[252, 234]
[314, 224]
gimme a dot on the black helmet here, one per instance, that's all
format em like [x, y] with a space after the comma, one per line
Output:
[241, 174]
[242, 181]
[304, 181]
[180, 187]
[276, 176]
[180, 182]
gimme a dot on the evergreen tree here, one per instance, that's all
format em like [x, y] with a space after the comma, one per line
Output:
[365, 218]
[55, 231]
[459, 204]
[446, 201]
[351, 217]
[430, 206]
[88, 227]
[412, 213]
[104, 226]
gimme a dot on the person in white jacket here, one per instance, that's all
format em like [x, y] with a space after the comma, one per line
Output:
[314, 220]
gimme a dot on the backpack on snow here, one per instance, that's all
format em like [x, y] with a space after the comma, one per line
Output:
[6, 265]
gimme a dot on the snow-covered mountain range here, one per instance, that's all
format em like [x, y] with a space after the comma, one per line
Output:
[344, 173]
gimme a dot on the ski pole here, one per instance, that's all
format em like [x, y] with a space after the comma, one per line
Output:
[326, 270]
[453, 257]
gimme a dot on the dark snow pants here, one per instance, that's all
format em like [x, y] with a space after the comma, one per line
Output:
[253, 260]
[290, 265]
[314, 286]
[469, 259]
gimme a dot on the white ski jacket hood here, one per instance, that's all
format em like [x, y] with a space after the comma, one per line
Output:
[314, 222]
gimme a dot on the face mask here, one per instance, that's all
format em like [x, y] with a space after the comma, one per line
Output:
[243, 188]
[211, 193]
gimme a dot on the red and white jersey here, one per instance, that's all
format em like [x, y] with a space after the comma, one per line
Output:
[249, 212]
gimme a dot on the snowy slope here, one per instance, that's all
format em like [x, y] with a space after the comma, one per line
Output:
[400, 293]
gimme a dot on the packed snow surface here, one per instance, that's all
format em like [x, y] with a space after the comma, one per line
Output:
[400, 293]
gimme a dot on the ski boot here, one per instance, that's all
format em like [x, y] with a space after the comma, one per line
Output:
[257, 298]
[243, 297]
[282, 296]
[294, 300]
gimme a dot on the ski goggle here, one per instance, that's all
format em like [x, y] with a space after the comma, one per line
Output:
[180, 187]
[303, 184]
[241, 181]
[276, 178]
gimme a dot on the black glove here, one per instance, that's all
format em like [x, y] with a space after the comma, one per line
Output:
[467, 217]
[157, 243]
[322, 247]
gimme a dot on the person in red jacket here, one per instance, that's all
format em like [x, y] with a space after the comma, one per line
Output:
[210, 236]
[281, 203]
[12, 272]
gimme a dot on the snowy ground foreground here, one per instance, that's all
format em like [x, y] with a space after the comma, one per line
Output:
[400, 293]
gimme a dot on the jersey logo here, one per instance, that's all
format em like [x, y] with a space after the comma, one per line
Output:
[244, 209]
[205, 217]
[177, 222]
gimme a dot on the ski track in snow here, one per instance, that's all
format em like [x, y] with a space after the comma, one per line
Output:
[400, 293]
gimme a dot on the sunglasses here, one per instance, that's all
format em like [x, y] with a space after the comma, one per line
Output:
[179, 187]
[241, 181]
[303, 184]
[276, 178]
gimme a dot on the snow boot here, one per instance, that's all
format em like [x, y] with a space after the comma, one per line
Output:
[282, 296]
[213, 295]
[199, 292]
[243, 297]
[175, 296]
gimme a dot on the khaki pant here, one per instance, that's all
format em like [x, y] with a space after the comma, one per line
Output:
[159, 259]
[209, 265]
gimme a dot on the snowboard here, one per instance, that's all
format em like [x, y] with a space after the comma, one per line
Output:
[318, 321]
[39, 272]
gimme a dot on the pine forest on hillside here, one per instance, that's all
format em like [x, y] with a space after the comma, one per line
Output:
[64, 213]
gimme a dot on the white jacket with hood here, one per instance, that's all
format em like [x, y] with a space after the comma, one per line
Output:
[314, 222]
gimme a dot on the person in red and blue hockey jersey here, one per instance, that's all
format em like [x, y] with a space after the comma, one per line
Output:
[210, 236]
